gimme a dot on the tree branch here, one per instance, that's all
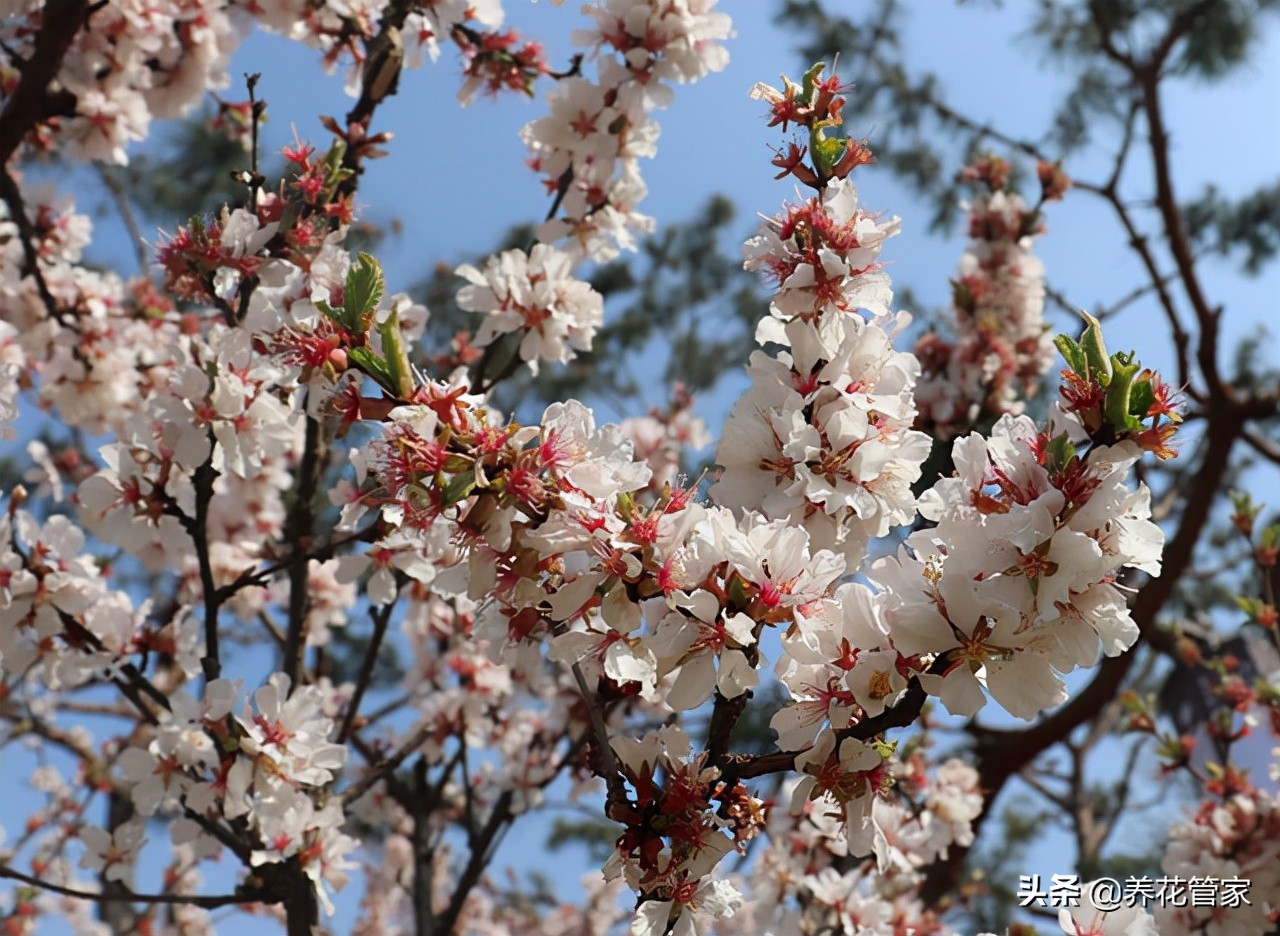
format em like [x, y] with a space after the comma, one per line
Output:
[207, 902]
[606, 765]
[298, 530]
[32, 101]
[1208, 317]
[481, 854]
[381, 618]
[746, 766]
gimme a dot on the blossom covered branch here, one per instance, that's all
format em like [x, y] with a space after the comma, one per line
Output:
[566, 602]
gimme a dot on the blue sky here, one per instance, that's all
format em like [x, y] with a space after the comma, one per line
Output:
[455, 179]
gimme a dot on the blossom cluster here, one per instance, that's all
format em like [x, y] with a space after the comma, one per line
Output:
[811, 877]
[1234, 836]
[213, 419]
[536, 294]
[1002, 347]
[588, 147]
[1038, 598]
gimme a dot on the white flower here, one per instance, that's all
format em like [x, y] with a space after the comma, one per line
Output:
[112, 853]
[292, 732]
[823, 437]
[695, 637]
[537, 293]
[1087, 920]
[599, 462]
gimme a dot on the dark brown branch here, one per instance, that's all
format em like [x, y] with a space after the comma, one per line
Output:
[257, 110]
[193, 900]
[32, 101]
[1179, 26]
[380, 79]
[481, 854]
[606, 761]
[302, 909]
[203, 480]
[1142, 247]
[1138, 242]
[388, 765]
[27, 235]
[746, 766]
[1106, 41]
[423, 914]
[1175, 232]
[299, 528]
[381, 618]
[1265, 447]
[263, 575]
[29, 723]
[724, 716]
[946, 114]
[1124, 792]
[1138, 292]
[131, 683]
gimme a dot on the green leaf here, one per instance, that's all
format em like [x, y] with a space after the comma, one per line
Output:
[1095, 350]
[365, 285]
[1141, 398]
[334, 172]
[885, 748]
[1072, 353]
[374, 366]
[811, 78]
[1271, 537]
[1250, 606]
[458, 488]
[1059, 453]
[338, 315]
[1242, 503]
[1115, 406]
[397, 359]
[826, 150]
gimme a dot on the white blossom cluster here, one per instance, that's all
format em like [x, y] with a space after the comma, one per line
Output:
[589, 146]
[1016, 583]
[535, 293]
[1236, 836]
[812, 876]
[823, 438]
[1002, 346]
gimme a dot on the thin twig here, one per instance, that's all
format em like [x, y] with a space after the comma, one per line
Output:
[381, 618]
[606, 760]
[388, 765]
[208, 902]
[120, 198]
